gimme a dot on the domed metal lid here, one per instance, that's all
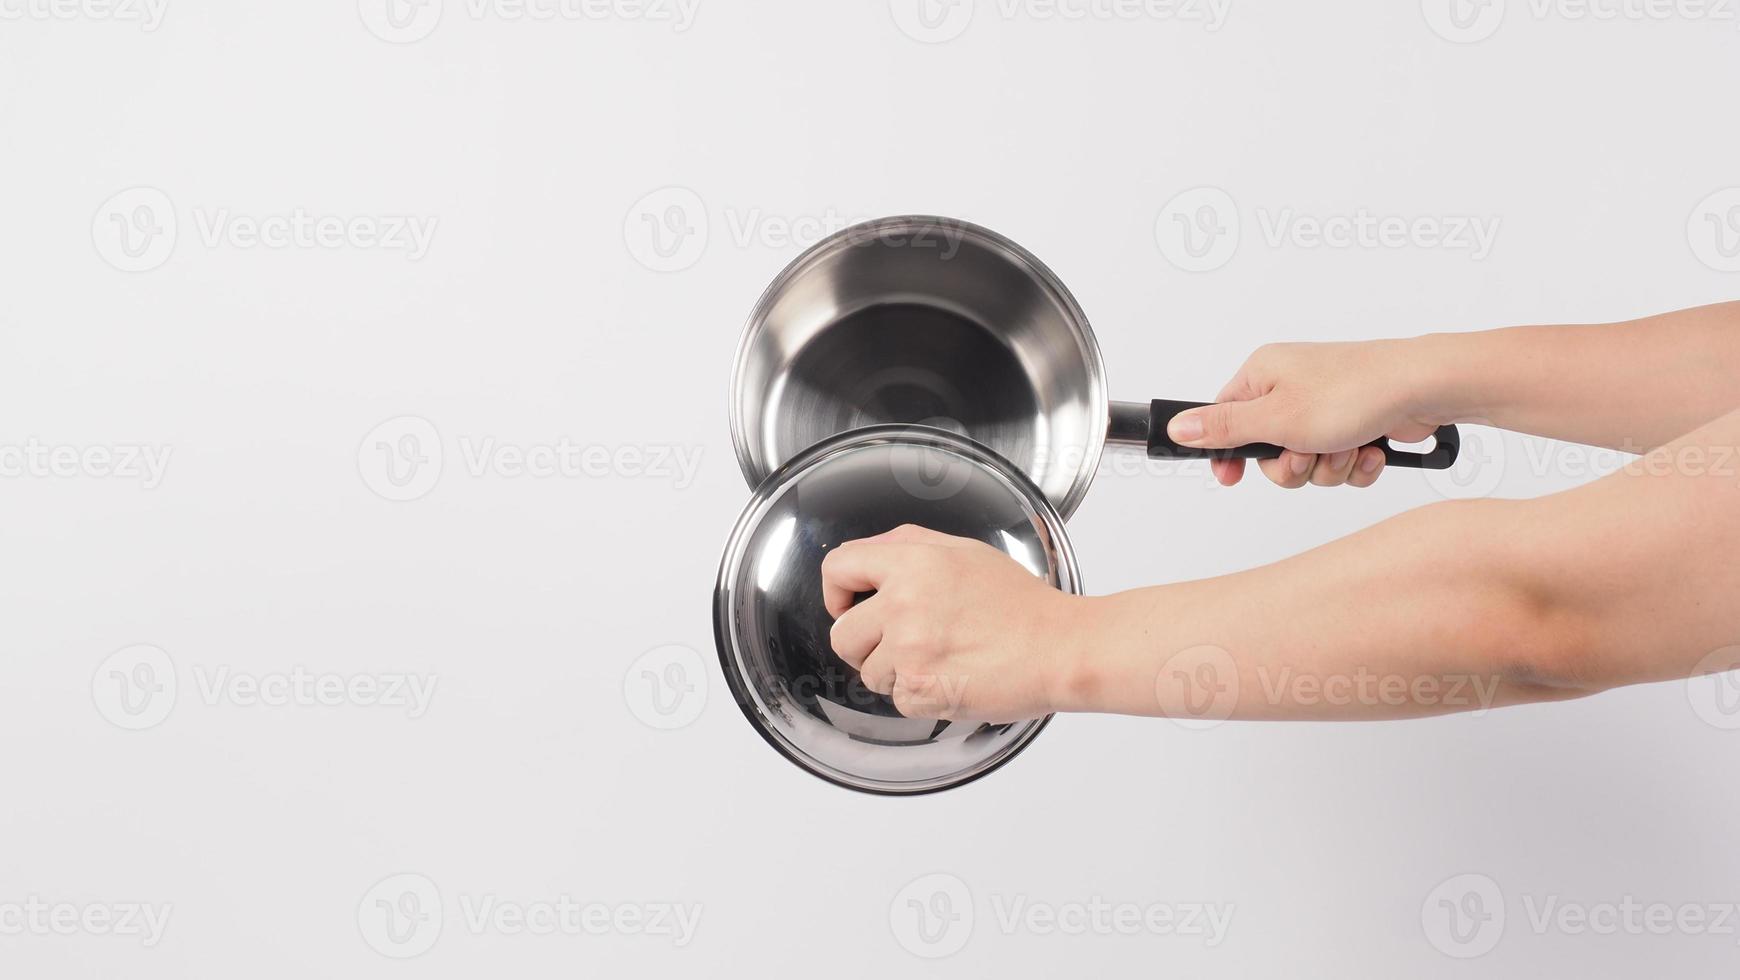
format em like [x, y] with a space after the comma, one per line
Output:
[772, 628]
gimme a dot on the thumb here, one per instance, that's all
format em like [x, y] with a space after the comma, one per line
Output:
[1226, 424]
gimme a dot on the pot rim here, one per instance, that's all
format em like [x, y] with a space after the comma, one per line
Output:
[1038, 271]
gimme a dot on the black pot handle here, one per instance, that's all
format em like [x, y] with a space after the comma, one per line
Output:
[1160, 445]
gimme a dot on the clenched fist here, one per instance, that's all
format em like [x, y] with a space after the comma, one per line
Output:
[956, 629]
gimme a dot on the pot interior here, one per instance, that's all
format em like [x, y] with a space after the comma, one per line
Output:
[928, 321]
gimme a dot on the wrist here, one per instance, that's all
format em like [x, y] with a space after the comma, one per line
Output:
[1441, 388]
[1077, 661]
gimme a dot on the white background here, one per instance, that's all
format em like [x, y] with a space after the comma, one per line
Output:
[534, 317]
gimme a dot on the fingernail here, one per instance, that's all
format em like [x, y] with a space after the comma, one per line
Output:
[1185, 427]
[1301, 463]
[1370, 463]
[1338, 460]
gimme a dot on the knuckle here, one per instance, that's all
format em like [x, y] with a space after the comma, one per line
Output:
[1215, 422]
[917, 698]
[1274, 356]
[913, 707]
[908, 642]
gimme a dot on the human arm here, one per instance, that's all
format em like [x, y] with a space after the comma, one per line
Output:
[1630, 386]
[1628, 579]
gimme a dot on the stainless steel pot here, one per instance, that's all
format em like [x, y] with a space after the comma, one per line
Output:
[920, 319]
[772, 628]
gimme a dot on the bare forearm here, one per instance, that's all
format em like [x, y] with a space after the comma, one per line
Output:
[1419, 615]
[1456, 606]
[1630, 386]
